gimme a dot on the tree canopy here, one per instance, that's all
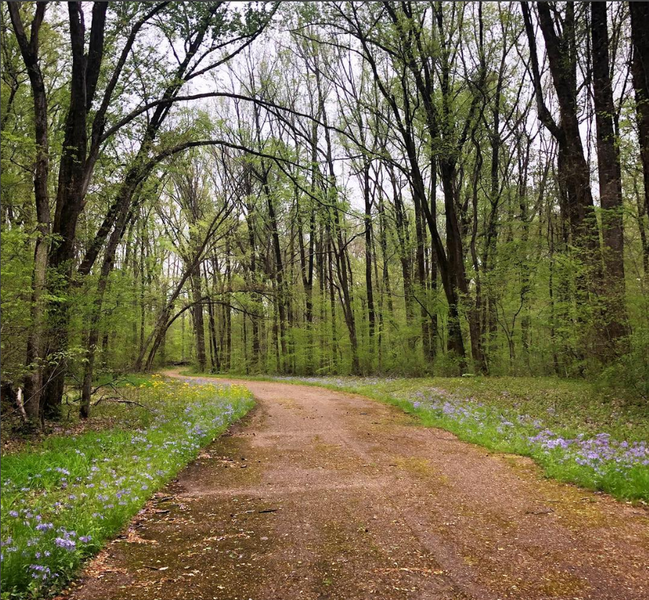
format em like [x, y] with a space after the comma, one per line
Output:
[323, 188]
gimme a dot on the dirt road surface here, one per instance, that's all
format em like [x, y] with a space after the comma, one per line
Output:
[321, 495]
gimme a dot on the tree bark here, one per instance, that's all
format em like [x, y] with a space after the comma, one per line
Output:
[610, 189]
[36, 343]
[197, 317]
[640, 72]
[369, 287]
[576, 199]
[70, 191]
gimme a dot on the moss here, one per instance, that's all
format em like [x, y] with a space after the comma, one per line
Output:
[421, 467]
[560, 583]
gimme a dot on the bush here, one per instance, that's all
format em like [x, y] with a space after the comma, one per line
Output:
[631, 372]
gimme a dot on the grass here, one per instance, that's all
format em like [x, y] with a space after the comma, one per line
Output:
[129, 379]
[576, 432]
[64, 497]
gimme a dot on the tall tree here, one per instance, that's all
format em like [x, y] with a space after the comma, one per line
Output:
[640, 71]
[610, 186]
[36, 348]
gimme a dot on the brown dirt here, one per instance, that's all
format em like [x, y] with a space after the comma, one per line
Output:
[321, 495]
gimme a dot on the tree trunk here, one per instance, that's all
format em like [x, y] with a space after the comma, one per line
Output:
[282, 295]
[403, 236]
[610, 189]
[307, 257]
[95, 316]
[227, 362]
[252, 278]
[640, 71]
[455, 255]
[573, 172]
[36, 346]
[369, 288]
[197, 317]
[69, 204]
[214, 345]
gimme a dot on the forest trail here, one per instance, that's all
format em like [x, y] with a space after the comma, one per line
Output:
[323, 495]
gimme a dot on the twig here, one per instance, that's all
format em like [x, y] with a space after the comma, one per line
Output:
[119, 401]
[109, 383]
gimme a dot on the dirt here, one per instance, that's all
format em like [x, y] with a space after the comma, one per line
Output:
[322, 495]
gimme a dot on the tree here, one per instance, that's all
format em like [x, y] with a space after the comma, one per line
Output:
[610, 186]
[393, 187]
[29, 48]
[205, 28]
[640, 71]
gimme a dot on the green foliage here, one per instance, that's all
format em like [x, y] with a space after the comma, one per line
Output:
[15, 296]
[64, 497]
[630, 373]
[277, 173]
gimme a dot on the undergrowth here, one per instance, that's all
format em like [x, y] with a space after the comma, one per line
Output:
[63, 497]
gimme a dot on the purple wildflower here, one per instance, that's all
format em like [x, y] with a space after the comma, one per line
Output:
[66, 544]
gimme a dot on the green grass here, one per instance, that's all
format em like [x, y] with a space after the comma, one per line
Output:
[574, 405]
[576, 432]
[129, 379]
[65, 496]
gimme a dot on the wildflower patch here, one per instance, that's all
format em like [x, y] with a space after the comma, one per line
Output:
[63, 499]
[568, 452]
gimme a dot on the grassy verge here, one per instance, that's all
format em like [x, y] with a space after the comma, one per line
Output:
[65, 496]
[106, 414]
[577, 433]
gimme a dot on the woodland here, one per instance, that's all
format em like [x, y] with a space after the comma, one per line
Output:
[329, 188]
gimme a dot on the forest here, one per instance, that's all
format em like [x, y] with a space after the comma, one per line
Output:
[395, 188]
[324, 300]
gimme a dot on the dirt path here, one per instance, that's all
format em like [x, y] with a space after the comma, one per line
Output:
[323, 495]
